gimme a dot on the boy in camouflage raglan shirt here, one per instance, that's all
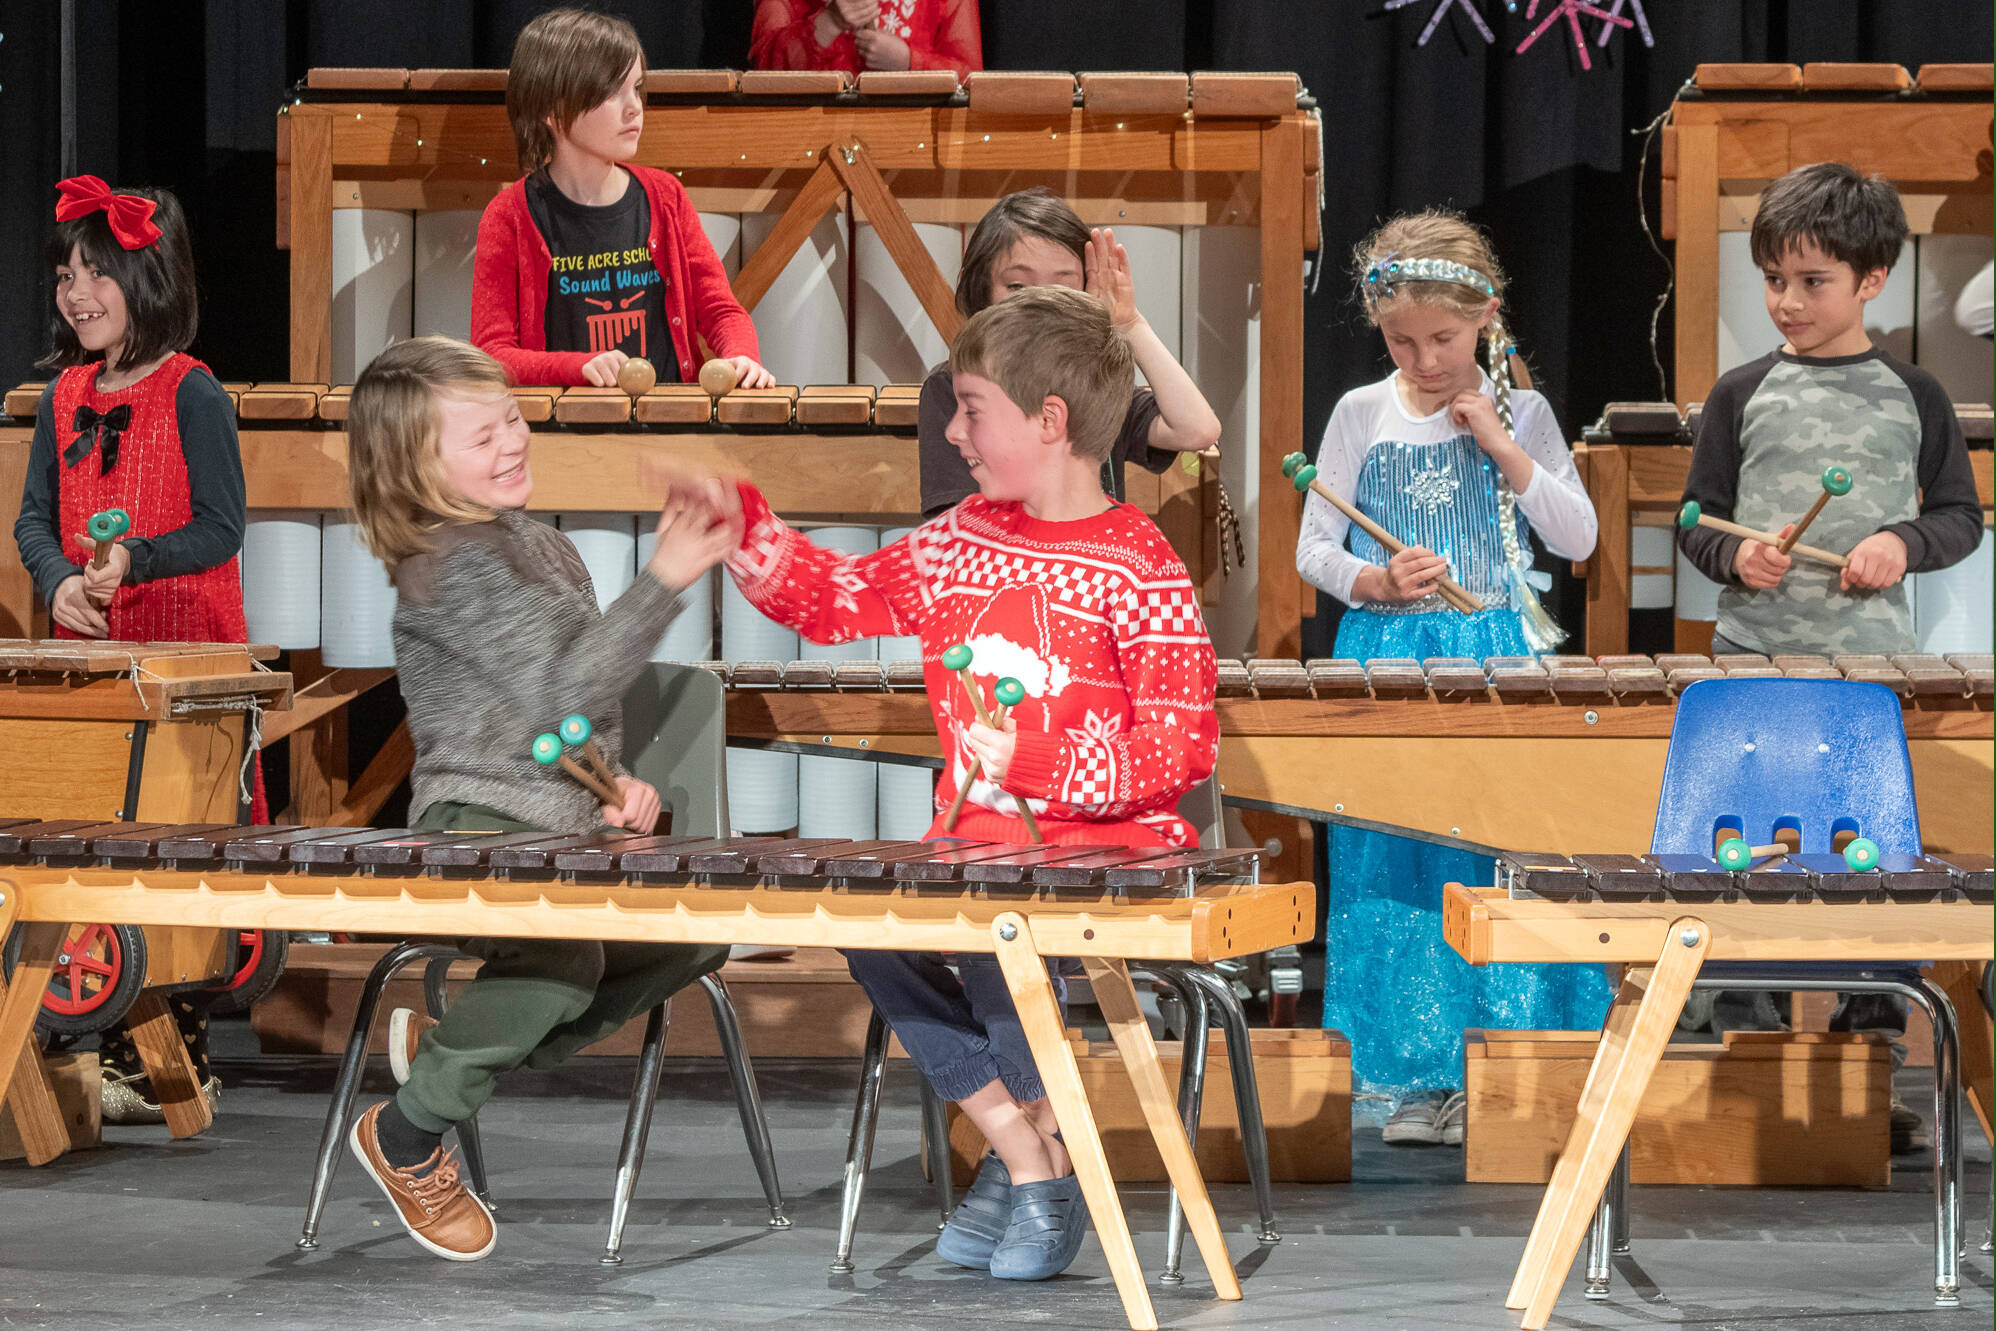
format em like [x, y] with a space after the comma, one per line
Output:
[1825, 238]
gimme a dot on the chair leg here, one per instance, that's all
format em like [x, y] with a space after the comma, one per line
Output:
[1191, 1097]
[637, 1127]
[436, 977]
[1247, 1091]
[1947, 1141]
[748, 1098]
[935, 1140]
[1608, 1235]
[339, 1113]
[859, 1145]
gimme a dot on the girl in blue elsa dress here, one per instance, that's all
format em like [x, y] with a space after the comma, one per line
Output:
[1464, 468]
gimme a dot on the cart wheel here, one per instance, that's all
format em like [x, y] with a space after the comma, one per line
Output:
[260, 957]
[97, 978]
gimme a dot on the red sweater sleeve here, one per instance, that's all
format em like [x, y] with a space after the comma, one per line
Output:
[716, 313]
[1167, 668]
[950, 40]
[783, 39]
[495, 301]
[827, 596]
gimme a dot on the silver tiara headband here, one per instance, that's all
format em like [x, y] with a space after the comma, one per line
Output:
[1389, 271]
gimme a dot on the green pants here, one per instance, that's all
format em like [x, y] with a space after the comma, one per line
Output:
[534, 1001]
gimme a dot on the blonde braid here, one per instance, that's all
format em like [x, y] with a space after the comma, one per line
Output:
[1541, 631]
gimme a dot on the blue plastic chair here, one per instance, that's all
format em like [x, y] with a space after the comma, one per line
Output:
[1817, 758]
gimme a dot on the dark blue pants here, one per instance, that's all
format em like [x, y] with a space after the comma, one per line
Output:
[963, 1033]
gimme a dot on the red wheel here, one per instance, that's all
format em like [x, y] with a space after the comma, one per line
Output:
[260, 958]
[98, 975]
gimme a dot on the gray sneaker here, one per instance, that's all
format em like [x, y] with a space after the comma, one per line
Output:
[1452, 1120]
[1416, 1120]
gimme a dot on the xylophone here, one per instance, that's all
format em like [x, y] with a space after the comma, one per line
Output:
[133, 731]
[1662, 917]
[1105, 905]
[1511, 752]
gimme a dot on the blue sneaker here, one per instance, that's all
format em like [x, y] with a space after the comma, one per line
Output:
[979, 1220]
[1048, 1220]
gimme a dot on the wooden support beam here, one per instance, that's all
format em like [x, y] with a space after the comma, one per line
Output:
[821, 191]
[862, 179]
[322, 697]
[311, 182]
[1697, 291]
[1282, 597]
[389, 769]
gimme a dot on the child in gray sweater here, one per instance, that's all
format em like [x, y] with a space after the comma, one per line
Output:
[497, 636]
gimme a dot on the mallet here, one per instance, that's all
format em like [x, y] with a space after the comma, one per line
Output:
[718, 377]
[1009, 693]
[1736, 854]
[1861, 854]
[1836, 481]
[1692, 516]
[957, 659]
[575, 732]
[105, 529]
[637, 377]
[548, 752]
[1303, 476]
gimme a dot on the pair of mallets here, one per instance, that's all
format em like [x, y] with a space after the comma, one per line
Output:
[1009, 693]
[1303, 476]
[1836, 481]
[639, 377]
[1735, 854]
[552, 749]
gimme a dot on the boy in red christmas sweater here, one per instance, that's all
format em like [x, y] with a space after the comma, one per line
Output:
[1081, 600]
[591, 260]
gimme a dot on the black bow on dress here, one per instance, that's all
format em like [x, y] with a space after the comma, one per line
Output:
[89, 425]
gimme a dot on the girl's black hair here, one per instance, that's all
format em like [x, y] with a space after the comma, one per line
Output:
[1029, 212]
[157, 279]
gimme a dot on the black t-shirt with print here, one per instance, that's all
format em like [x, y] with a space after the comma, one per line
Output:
[604, 291]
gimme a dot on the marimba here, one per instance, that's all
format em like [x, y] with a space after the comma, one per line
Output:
[1511, 752]
[1105, 905]
[1662, 918]
[126, 730]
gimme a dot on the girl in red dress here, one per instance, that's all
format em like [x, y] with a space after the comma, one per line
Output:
[133, 422]
[856, 35]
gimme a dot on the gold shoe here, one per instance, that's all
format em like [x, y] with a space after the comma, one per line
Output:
[124, 1103]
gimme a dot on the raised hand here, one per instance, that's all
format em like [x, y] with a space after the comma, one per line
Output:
[1105, 274]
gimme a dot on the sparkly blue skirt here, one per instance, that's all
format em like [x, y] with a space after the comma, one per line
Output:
[1399, 992]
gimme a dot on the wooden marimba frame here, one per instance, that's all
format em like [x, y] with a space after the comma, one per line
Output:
[1106, 906]
[120, 730]
[1661, 944]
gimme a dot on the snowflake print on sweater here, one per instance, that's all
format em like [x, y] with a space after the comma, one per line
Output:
[1097, 620]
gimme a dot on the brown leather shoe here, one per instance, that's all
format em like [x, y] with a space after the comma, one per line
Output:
[439, 1211]
[405, 1032]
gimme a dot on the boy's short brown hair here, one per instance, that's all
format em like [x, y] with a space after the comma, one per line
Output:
[565, 62]
[1054, 342]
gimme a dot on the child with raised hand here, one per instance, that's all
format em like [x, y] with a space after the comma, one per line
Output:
[1463, 467]
[1033, 238]
[590, 260]
[134, 422]
[497, 635]
[1080, 599]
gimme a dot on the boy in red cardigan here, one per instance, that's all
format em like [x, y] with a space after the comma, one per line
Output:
[587, 263]
[1081, 600]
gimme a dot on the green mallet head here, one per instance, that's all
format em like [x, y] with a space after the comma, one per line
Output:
[957, 657]
[1836, 480]
[1291, 463]
[110, 524]
[575, 729]
[1734, 854]
[1861, 855]
[1687, 517]
[1010, 692]
[1304, 475]
[547, 748]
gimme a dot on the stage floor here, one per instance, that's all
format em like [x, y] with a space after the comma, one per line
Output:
[199, 1233]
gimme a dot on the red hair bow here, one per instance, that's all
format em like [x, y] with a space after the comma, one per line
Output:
[129, 214]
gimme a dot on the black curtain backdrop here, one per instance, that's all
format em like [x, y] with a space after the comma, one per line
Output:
[1534, 148]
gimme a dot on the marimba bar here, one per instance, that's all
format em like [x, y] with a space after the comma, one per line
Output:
[1528, 876]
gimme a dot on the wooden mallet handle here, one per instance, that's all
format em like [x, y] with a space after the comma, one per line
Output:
[548, 751]
[1736, 854]
[1301, 474]
[1836, 481]
[1010, 692]
[105, 529]
[1692, 516]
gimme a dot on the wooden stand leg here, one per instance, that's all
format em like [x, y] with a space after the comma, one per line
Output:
[1615, 1027]
[156, 1035]
[1118, 1000]
[1605, 1117]
[1962, 982]
[24, 1083]
[1032, 993]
